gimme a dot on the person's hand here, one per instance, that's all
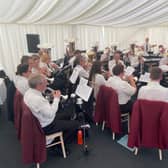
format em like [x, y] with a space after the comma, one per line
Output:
[55, 66]
[57, 94]
[45, 72]
[129, 78]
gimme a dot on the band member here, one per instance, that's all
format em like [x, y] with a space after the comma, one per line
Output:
[153, 90]
[96, 79]
[115, 61]
[82, 66]
[106, 55]
[125, 88]
[141, 67]
[161, 50]
[51, 120]
[21, 79]
[147, 47]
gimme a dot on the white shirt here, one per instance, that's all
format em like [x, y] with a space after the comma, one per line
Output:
[40, 107]
[123, 88]
[82, 71]
[99, 81]
[104, 57]
[43, 65]
[21, 83]
[133, 60]
[112, 63]
[164, 61]
[153, 91]
[47, 66]
[35, 70]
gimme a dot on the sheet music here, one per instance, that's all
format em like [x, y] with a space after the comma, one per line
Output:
[145, 78]
[83, 81]
[129, 71]
[74, 76]
[84, 92]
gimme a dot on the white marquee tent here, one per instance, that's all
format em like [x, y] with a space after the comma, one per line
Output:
[88, 21]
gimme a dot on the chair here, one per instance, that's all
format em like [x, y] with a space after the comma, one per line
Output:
[149, 125]
[33, 139]
[108, 111]
[18, 98]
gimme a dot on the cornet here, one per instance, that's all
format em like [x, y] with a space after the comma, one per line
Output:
[65, 97]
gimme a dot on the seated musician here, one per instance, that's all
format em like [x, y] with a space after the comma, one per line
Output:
[106, 55]
[153, 90]
[141, 68]
[96, 78]
[164, 60]
[21, 79]
[27, 60]
[70, 58]
[116, 60]
[130, 58]
[35, 66]
[161, 51]
[46, 65]
[76, 55]
[82, 66]
[124, 87]
[50, 119]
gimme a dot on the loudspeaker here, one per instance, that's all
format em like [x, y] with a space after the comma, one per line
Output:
[32, 41]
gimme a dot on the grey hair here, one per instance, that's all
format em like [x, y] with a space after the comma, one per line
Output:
[34, 80]
[81, 58]
[84, 57]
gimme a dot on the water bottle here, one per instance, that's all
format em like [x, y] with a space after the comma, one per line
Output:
[80, 137]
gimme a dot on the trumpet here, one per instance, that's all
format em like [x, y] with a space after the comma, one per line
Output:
[65, 97]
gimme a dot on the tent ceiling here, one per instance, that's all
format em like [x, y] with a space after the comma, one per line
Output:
[116, 13]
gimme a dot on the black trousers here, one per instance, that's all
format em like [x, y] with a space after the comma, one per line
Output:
[63, 123]
[125, 108]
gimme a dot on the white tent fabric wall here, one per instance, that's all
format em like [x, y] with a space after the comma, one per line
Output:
[13, 39]
[13, 42]
[87, 36]
[88, 21]
[116, 13]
